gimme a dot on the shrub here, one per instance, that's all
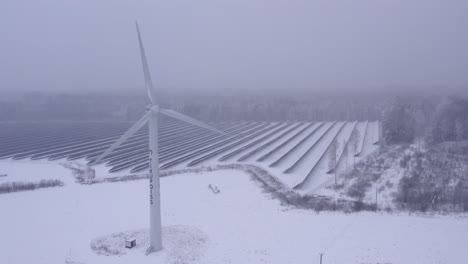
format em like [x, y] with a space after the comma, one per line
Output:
[388, 184]
[433, 179]
[359, 188]
[404, 161]
[9, 187]
[83, 174]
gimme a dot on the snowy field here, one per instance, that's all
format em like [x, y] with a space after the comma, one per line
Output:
[241, 224]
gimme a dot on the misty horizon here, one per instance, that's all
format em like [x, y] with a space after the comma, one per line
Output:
[230, 47]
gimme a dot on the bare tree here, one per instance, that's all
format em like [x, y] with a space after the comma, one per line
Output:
[420, 125]
[332, 156]
[459, 129]
[345, 154]
[354, 142]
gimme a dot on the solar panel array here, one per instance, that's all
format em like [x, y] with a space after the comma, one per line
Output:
[295, 152]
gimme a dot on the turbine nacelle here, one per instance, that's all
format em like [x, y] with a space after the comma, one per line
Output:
[153, 108]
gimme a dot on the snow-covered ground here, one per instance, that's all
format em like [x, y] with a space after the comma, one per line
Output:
[33, 171]
[241, 224]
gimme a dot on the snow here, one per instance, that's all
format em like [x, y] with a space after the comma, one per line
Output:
[276, 142]
[306, 149]
[369, 135]
[316, 172]
[33, 171]
[362, 133]
[281, 151]
[297, 150]
[386, 186]
[213, 160]
[343, 160]
[263, 138]
[182, 244]
[318, 177]
[348, 159]
[372, 135]
[240, 224]
[102, 171]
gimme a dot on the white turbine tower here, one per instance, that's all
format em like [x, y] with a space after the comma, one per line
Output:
[152, 117]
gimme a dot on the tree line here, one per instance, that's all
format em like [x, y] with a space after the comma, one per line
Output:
[406, 121]
[216, 108]
[436, 177]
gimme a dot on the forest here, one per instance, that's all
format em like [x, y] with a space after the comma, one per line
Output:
[435, 160]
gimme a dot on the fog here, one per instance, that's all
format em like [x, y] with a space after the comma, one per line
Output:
[235, 45]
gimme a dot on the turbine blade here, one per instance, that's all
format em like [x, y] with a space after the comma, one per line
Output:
[182, 117]
[146, 72]
[139, 124]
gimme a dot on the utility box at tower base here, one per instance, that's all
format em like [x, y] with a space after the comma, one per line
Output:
[130, 243]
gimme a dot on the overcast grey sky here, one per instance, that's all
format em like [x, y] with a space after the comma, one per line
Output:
[313, 45]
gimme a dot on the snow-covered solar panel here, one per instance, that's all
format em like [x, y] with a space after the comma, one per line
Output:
[295, 152]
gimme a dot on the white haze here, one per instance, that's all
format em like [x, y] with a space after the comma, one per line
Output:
[224, 45]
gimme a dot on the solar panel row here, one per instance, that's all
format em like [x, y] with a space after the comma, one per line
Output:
[296, 148]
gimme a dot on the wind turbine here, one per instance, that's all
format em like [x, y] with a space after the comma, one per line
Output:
[152, 117]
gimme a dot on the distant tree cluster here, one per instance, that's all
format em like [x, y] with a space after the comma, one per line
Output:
[309, 107]
[405, 121]
[398, 123]
[280, 108]
[450, 122]
[36, 106]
